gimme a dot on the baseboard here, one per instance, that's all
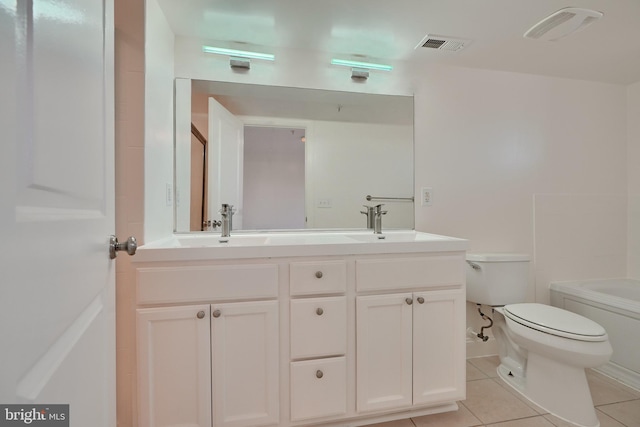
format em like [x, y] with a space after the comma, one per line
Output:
[479, 348]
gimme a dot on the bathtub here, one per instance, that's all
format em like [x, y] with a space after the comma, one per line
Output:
[614, 304]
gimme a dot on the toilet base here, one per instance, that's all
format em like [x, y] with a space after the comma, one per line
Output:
[556, 387]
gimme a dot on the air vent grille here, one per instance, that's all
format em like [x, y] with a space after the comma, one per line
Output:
[434, 43]
[451, 44]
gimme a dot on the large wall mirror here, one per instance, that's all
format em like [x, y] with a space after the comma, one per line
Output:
[291, 158]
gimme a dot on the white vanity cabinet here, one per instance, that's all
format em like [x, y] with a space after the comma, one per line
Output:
[214, 364]
[410, 345]
[328, 334]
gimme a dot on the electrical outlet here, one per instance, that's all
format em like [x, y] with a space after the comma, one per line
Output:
[427, 196]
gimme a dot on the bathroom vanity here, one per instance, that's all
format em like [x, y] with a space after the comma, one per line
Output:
[292, 329]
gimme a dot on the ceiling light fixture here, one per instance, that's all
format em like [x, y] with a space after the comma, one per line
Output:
[563, 23]
[361, 65]
[238, 53]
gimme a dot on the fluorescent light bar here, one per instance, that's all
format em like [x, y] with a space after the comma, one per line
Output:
[357, 64]
[238, 53]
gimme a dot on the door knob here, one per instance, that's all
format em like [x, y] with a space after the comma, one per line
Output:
[114, 246]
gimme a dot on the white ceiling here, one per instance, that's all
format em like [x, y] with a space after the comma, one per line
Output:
[387, 31]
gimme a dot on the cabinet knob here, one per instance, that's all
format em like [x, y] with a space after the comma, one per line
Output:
[409, 301]
[200, 314]
[319, 274]
[420, 300]
[319, 311]
[216, 313]
[319, 374]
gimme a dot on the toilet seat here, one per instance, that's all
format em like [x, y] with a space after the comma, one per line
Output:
[555, 321]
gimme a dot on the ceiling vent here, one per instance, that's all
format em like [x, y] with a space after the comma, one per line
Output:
[432, 41]
[563, 23]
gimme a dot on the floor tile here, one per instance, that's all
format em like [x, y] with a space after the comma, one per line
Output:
[492, 403]
[460, 418]
[487, 365]
[605, 421]
[474, 373]
[540, 410]
[397, 423]
[604, 391]
[538, 421]
[628, 413]
[595, 374]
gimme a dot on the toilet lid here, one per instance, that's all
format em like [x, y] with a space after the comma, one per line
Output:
[555, 321]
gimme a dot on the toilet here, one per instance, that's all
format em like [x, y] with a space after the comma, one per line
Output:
[543, 350]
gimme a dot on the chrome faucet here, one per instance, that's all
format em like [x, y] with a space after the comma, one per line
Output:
[370, 216]
[378, 212]
[226, 212]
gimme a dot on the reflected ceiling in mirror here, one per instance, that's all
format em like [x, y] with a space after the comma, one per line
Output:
[291, 158]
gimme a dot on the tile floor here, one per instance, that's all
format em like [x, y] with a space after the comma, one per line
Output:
[490, 402]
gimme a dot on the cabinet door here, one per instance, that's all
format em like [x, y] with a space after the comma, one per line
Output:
[439, 346]
[244, 351]
[174, 366]
[384, 371]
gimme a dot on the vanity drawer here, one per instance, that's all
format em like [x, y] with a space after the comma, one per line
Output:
[318, 277]
[194, 284]
[318, 388]
[414, 272]
[318, 327]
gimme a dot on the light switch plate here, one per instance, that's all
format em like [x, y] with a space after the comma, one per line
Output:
[324, 203]
[169, 195]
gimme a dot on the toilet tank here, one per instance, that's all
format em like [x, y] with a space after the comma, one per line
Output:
[497, 278]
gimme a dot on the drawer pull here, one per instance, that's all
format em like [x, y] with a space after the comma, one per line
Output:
[409, 301]
[319, 311]
[319, 374]
[216, 313]
[420, 300]
[319, 274]
[200, 314]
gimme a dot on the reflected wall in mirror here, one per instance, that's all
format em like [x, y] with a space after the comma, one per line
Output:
[291, 158]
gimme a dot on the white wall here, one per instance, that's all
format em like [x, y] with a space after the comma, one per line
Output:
[183, 156]
[129, 182]
[158, 165]
[633, 162]
[528, 164]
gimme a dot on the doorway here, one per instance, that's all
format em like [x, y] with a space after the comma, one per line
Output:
[274, 178]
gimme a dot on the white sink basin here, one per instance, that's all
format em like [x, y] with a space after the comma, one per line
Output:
[307, 239]
[207, 246]
[393, 236]
[198, 241]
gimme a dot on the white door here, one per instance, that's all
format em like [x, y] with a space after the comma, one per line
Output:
[225, 161]
[57, 325]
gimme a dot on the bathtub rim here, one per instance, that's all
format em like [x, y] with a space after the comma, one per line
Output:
[616, 306]
[576, 288]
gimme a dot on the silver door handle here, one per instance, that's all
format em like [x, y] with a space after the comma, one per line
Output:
[114, 246]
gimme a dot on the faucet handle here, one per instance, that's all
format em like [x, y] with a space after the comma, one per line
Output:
[379, 210]
[226, 209]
